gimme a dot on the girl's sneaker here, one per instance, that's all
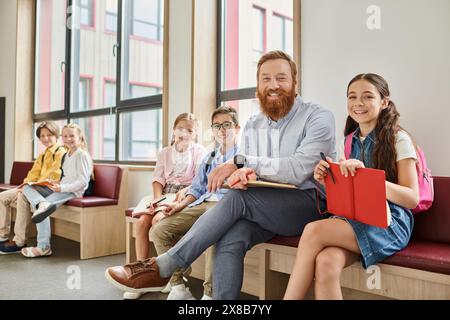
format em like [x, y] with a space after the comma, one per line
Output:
[35, 252]
[180, 292]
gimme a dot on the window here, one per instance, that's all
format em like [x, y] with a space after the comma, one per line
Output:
[50, 57]
[87, 13]
[259, 32]
[245, 35]
[111, 16]
[283, 33]
[109, 96]
[84, 94]
[141, 135]
[142, 61]
[88, 84]
[147, 19]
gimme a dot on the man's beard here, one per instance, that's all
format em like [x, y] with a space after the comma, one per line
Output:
[279, 108]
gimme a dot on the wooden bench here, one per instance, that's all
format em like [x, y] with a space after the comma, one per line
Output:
[420, 271]
[96, 221]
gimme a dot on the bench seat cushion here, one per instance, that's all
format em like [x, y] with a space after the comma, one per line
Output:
[285, 241]
[423, 255]
[86, 202]
[4, 187]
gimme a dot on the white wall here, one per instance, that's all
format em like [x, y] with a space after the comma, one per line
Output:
[8, 17]
[411, 51]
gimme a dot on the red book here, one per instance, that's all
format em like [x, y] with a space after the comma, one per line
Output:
[361, 198]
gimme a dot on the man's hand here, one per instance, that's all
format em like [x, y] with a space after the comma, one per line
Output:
[240, 178]
[219, 174]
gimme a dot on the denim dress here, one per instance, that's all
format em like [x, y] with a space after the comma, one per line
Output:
[377, 244]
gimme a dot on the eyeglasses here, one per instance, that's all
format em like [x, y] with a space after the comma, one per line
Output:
[226, 125]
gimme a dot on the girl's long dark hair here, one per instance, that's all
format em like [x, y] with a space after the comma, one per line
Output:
[384, 154]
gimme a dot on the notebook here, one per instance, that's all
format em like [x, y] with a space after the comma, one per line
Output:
[361, 198]
[144, 204]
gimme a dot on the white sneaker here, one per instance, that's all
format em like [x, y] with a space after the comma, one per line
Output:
[167, 288]
[132, 295]
[205, 297]
[180, 292]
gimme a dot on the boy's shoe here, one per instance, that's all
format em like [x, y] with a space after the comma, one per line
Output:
[3, 239]
[206, 297]
[43, 211]
[180, 292]
[132, 295]
[10, 247]
[36, 252]
[141, 276]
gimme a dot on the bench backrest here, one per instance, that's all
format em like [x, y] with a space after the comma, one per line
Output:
[107, 181]
[434, 224]
[19, 172]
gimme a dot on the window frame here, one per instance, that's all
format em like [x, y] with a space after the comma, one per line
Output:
[248, 93]
[122, 106]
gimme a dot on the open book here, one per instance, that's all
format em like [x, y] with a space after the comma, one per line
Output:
[265, 184]
[361, 198]
[145, 203]
[44, 183]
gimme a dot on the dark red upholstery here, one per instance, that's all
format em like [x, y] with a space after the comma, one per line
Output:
[107, 181]
[434, 225]
[429, 248]
[19, 172]
[106, 188]
[128, 212]
[423, 255]
[86, 202]
[106, 185]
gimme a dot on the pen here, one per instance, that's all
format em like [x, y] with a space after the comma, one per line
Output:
[160, 200]
[328, 169]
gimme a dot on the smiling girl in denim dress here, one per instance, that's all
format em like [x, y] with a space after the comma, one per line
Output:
[328, 246]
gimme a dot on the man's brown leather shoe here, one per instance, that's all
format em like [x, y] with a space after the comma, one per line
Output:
[141, 276]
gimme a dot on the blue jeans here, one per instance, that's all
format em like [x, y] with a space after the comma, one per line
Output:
[238, 222]
[38, 194]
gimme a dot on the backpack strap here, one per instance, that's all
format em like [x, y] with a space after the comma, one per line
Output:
[348, 145]
[62, 162]
[210, 160]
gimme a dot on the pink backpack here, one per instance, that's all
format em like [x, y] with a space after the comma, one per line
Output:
[426, 190]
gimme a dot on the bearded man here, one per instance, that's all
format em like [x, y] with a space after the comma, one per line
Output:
[281, 144]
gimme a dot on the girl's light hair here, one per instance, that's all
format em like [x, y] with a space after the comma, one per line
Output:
[185, 116]
[80, 132]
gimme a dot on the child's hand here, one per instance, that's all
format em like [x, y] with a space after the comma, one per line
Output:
[240, 178]
[320, 171]
[181, 194]
[350, 166]
[55, 187]
[172, 208]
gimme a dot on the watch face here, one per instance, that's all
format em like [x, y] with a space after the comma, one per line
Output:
[239, 160]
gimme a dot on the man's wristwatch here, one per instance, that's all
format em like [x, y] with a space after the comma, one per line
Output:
[239, 161]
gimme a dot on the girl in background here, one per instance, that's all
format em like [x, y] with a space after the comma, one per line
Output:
[176, 167]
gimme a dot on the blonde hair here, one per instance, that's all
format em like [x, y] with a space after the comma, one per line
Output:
[185, 116]
[80, 132]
